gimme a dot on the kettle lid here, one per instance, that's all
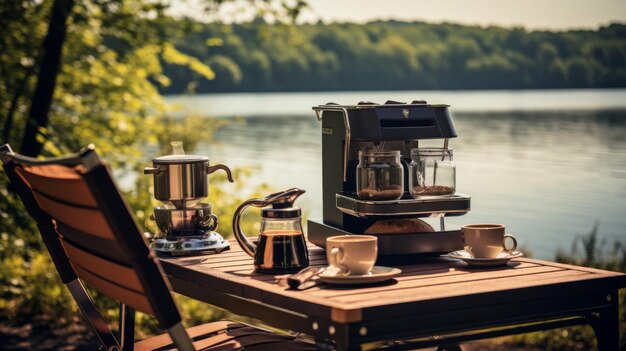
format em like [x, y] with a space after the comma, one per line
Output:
[178, 156]
[174, 159]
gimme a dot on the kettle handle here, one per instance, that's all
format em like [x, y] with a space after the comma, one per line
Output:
[247, 246]
[211, 169]
[151, 170]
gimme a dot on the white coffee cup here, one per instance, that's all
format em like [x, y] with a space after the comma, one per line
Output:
[486, 240]
[352, 254]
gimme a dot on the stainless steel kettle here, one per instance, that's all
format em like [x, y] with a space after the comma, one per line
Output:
[281, 246]
[182, 179]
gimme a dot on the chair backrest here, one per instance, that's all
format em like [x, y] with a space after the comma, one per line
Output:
[91, 235]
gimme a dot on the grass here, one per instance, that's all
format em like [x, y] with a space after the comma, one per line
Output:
[587, 250]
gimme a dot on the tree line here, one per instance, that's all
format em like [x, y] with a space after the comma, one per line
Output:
[386, 55]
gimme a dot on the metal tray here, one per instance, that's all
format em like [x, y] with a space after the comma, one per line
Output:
[429, 243]
[456, 205]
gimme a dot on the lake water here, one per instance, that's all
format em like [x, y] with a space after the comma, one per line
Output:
[548, 164]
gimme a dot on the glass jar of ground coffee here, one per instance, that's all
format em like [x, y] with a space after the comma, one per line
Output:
[380, 175]
[432, 173]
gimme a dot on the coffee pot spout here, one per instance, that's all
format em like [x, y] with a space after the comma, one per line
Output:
[224, 168]
[284, 199]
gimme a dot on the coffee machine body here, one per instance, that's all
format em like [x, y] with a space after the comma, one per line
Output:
[348, 129]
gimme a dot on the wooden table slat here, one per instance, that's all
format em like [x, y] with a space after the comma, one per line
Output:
[448, 278]
[460, 289]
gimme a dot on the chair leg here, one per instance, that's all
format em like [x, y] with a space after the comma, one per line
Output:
[606, 324]
[127, 327]
[92, 315]
[181, 338]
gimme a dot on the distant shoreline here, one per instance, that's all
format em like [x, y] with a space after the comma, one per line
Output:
[395, 55]
[472, 101]
[391, 90]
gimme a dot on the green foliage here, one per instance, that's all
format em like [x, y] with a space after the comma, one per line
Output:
[106, 94]
[589, 251]
[32, 288]
[393, 55]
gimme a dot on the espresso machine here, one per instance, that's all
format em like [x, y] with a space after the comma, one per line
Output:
[186, 224]
[348, 130]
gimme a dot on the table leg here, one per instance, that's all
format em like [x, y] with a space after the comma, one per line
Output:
[606, 325]
[347, 347]
[343, 341]
[323, 344]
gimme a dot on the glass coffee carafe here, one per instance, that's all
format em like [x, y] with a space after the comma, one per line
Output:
[380, 175]
[281, 246]
[432, 173]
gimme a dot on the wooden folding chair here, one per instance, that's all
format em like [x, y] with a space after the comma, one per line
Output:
[91, 236]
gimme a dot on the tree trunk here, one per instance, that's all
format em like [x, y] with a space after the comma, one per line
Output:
[48, 70]
[8, 125]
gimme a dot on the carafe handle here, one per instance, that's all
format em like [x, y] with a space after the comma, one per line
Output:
[246, 245]
[225, 168]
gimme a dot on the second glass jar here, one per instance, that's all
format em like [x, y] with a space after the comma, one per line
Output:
[380, 175]
[432, 173]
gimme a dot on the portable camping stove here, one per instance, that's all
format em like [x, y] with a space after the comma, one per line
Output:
[186, 224]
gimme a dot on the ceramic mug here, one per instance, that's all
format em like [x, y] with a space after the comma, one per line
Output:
[352, 254]
[486, 240]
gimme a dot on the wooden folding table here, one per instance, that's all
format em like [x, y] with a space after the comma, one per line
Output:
[430, 303]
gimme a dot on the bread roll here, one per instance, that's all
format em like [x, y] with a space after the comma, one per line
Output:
[399, 226]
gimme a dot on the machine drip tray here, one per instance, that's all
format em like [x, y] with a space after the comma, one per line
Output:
[406, 207]
[428, 244]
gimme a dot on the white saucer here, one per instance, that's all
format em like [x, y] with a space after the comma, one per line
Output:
[502, 259]
[377, 275]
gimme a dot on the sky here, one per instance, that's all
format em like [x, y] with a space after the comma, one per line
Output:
[531, 14]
